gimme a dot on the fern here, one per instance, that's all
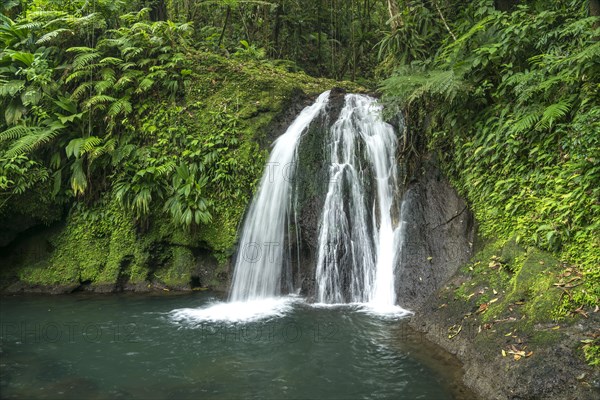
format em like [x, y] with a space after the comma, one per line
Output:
[111, 61]
[81, 90]
[35, 138]
[554, 112]
[77, 75]
[98, 100]
[85, 59]
[145, 85]
[121, 106]
[52, 35]
[15, 132]
[98, 152]
[81, 50]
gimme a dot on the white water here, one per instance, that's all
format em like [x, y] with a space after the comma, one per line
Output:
[357, 238]
[257, 273]
[354, 266]
[237, 311]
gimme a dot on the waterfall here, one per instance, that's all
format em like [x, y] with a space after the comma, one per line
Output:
[355, 262]
[260, 258]
[359, 237]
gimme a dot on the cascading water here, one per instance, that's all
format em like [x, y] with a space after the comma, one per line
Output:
[258, 268]
[354, 265]
[357, 235]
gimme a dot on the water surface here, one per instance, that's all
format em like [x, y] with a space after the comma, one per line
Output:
[132, 346]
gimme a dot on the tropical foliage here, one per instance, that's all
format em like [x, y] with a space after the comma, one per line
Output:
[510, 104]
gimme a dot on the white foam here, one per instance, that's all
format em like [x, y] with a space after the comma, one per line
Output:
[374, 309]
[236, 311]
[385, 311]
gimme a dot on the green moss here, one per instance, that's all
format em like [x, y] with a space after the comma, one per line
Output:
[92, 247]
[178, 272]
[545, 337]
[591, 352]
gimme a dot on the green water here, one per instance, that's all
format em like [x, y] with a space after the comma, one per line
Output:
[128, 346]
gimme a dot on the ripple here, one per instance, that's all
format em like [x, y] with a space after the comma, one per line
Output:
[373, 309]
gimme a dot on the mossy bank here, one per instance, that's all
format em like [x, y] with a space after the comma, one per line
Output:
[508, 316]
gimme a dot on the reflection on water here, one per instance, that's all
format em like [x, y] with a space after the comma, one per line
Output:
[128, 346]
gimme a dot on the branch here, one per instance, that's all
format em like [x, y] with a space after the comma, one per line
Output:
[444, 20]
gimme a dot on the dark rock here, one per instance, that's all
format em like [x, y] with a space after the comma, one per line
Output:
[438, 231]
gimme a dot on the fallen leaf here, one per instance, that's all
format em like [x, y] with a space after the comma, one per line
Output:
[494, 290]
[493, 300]
[503, 353]
[529, 354]
[483, 308]
[454, 330]
[581, 312]
[517, 357]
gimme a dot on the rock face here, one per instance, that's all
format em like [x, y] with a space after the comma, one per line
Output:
[438, 226]
[310, 189]
[438, 234]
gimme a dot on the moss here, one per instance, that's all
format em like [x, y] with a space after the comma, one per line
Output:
[91, 247]
[545, 337]
[178, 272]
[591, 352]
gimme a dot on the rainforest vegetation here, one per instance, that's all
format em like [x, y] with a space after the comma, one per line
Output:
[129, 119]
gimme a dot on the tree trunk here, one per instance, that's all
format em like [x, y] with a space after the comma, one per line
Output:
[594, 7]
[394, 11]
[225, 25]
[158, 12]
[505, 5]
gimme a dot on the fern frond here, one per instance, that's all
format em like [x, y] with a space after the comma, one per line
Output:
[81, 90]
[99, 99]
[36, 137]
[121, 106]
[50, 36]
[101, 86]
[90, 144]
[81, 50]
[131, 52]
[108, 74]
[126, 79]
[526, 122]
[15, 132]
[84, 60]
[122, 152]
[144, 85]
[107, 148]
[76, 75]
[165, 169]
[554, 112]
[111, 61]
